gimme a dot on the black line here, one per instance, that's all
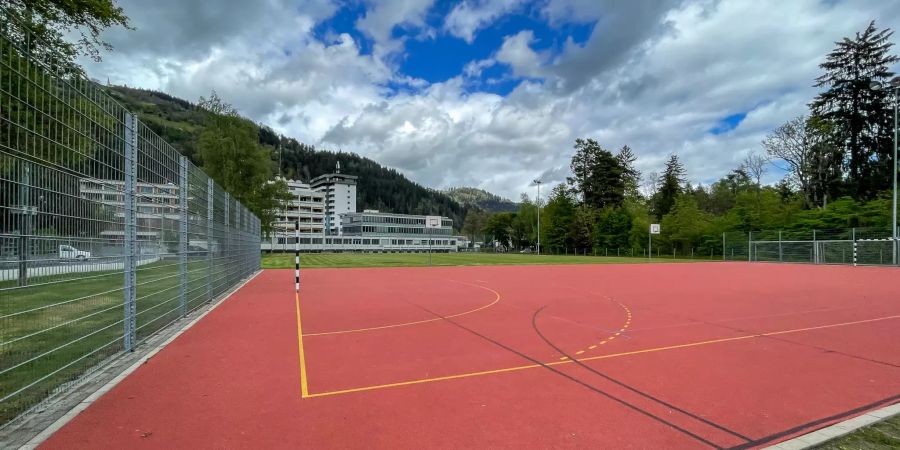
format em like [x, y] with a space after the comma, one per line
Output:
[632, 389]
[788, 341]
[763, 440]
[573, 379]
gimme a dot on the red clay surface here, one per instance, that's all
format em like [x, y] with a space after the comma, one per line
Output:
[684, 356]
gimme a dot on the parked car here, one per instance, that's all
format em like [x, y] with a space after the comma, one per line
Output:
[69, 252]
[194, 250]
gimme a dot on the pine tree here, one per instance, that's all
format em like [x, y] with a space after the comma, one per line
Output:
[631, 176]
[598, 176]
[670, 186]
[860, 117]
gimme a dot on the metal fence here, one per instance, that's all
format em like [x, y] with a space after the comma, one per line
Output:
[107, 233]
[856, 246]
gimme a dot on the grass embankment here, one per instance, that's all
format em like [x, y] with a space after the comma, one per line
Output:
[60, 326]
[332, 260]
[881, 436]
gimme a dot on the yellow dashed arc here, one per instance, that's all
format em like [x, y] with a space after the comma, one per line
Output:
[611, 337]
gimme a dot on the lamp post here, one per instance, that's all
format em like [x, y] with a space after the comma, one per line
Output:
[895, 87]
[538, 183]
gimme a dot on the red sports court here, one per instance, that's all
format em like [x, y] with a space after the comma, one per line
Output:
[706, 355]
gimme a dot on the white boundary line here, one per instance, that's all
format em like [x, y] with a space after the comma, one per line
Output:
[823, 435]
[34, 442]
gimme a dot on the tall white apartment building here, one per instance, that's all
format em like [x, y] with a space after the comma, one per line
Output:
[307, 207]
[340, 197]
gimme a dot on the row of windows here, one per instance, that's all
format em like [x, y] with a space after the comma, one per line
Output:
[361, 241]
[359, 229]
[392, 219]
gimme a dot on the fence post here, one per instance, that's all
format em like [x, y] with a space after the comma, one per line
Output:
[226, 250]
[723, 247]
[780, 251]
[130, 237]
[750, 246]
[210, 212]
[183, 234]
[26, 213]
[815, 254]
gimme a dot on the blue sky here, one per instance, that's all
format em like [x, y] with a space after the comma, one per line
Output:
[440, 56]
[493, 93]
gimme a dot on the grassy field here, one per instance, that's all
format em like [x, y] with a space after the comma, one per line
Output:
[59, 326]
[331, 260]
[883, 435]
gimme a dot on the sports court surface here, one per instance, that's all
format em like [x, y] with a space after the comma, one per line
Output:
[722, 355]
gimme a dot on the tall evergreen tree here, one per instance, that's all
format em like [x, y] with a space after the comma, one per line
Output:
[630, 175]
[859, 117]
[597, 175]
[558, 216]
[670, 186]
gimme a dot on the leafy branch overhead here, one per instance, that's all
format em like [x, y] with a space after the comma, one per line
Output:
[52, 21]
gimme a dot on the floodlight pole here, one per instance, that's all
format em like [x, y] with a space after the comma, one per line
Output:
[538, 183]
[894, 86]
[894, 202]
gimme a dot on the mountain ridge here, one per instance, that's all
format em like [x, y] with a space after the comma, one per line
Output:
[481, 199]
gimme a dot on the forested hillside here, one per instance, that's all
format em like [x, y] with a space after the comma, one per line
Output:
[180, 122]
[484, 200]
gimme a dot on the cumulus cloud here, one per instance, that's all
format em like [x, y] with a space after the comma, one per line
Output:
[517, 53]
[469, 16]
[658, 76]
[382, 17]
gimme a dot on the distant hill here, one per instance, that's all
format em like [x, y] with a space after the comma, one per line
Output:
[484, 200]
[180, 122]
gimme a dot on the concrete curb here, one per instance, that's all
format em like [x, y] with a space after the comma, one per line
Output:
[837, 430]
[37, 440]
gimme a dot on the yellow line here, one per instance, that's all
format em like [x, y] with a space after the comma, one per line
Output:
[406, 324]
[429, 380]
[592, 358]
[304, 388]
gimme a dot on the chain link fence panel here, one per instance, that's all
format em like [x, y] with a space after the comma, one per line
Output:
[107, 233]
[856, 246]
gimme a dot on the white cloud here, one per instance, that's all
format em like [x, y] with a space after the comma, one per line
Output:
[469, 16]
[381, 18]
[654, 75]
[516, 51]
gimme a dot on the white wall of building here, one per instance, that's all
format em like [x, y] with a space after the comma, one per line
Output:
[307, 207]
[344, 202]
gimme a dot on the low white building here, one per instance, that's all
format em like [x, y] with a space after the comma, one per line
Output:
[378, 232]
[329, 222]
